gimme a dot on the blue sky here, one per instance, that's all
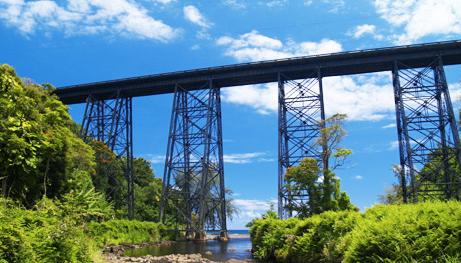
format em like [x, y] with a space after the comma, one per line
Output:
[77, 41]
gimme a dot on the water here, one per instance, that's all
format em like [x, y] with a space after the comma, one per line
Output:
[236, 248]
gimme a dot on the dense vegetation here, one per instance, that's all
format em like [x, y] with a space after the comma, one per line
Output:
[63, 198]
[328, 228]
[424, 232]
[55, 231]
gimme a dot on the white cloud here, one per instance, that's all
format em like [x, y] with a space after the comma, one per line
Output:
[252, 208]
[244, 158]
[368, 100]
[390, 125]
[366, 29]
[364, 97]
[263, 98]
[254, 46]
[155, 158]
[335, 5]
[455, 93]
[163, 2]
[193, 15]
[275, 3]
[234, 158]
[358, 177]
[235, 4]
[421, 18]
[117, 17]
[359, 99]
[393, 145]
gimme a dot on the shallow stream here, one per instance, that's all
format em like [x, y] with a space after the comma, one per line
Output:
[235, 248]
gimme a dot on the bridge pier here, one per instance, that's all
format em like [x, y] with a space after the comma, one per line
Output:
[193, 182]
[301, 117]
[428, 136]
[110, 121]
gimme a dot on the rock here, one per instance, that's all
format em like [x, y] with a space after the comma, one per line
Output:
[208, 253]
[176, 258]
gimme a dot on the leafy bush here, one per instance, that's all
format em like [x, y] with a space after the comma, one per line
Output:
[425, 232]
[41, 235]
[116, 232]
[52, 232]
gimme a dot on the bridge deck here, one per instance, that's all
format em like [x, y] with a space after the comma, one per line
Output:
[344, 63]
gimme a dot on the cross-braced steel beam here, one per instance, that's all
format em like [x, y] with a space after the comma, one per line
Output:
[111, 122]
[427, 132]
[301, 117]
[193, 183]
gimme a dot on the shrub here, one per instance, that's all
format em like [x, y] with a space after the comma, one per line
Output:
[424, 232]
[116, 232]
[270, 234]
[40, 235]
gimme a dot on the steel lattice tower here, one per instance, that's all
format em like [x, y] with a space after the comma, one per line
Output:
[301, 117]
[193, 182]
[427, 133]
[111, 122]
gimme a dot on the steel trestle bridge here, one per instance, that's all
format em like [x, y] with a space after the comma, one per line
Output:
[193, 181]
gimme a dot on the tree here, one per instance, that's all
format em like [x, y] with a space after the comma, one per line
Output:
[39, 150]
[319, 183]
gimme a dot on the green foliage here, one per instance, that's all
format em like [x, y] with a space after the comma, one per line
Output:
[54, 232]
[59, 183]
[437, 172]
[323, 195]
[320, 184]
[83, 203]
[43, 234]
[116, 232]
[425, 232]
[110, 181]
[39, 150]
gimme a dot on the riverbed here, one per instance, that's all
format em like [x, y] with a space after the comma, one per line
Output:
[238, 248]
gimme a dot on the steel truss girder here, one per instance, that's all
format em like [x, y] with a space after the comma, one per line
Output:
[193, 179]
[301, 117]
[111, 122]
[428, 136]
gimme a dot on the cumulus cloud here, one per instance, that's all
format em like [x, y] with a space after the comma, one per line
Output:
[263, 98]
[193, 15]
[85, 17]
[365, 97]
[421, 18]
[251, 208]
[254, 46]
[366, 29]
[358, 177]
